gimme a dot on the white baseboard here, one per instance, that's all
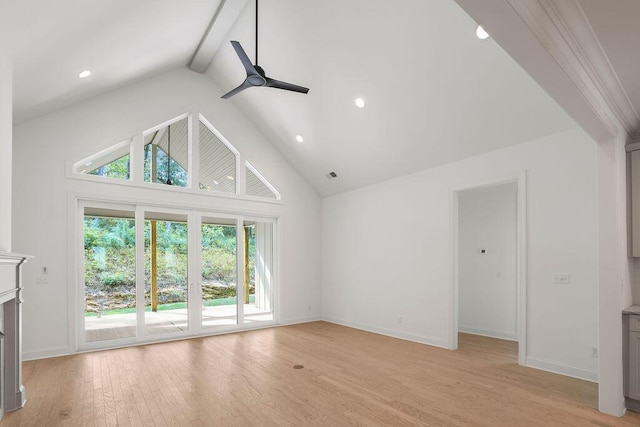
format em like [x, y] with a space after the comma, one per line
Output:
[560, 368]
[488, 333]
[390, 333]
[64, 351]
[45, 353]
[297, 320]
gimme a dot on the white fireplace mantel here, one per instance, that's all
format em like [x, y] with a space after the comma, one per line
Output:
[12, 395]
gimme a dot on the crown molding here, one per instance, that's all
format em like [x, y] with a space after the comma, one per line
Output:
[563, 29]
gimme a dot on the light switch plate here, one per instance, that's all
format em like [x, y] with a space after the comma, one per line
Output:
[561, 278]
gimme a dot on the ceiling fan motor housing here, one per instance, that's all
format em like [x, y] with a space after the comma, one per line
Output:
[257, 80]
[256, 77]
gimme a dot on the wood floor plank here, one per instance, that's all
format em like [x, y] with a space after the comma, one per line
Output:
[350, 377]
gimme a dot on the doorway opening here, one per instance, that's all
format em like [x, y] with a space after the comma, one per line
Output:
[488, 252]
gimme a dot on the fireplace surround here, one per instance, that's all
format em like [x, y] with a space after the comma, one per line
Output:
[12, 394]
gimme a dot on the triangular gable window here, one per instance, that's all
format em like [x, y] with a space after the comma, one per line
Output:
[258, 186]
[217, 162]
[166, 154]
[166, 160]
[110, 163]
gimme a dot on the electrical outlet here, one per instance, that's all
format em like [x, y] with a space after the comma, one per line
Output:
[308, 308]
[594, 351]
[561, 278]
[400, 320]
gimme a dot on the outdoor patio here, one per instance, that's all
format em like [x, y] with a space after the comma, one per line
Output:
[118, 326]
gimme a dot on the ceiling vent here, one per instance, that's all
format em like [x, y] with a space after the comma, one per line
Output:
[332, 175]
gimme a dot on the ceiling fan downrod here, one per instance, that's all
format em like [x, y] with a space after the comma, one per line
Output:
[256, 33]
[256, 77]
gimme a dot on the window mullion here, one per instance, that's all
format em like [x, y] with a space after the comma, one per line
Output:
[240, 269]
[136, 159]
[194, 150]
[140, 258]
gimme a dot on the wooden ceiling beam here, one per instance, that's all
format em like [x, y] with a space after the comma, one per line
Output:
[227, 14]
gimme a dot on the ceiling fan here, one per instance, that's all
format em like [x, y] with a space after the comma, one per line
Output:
[256, 76]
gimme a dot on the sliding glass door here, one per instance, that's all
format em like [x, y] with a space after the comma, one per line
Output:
[219, 272]
[149, 273]
[109, 286]
[259, 272]
[166, 272]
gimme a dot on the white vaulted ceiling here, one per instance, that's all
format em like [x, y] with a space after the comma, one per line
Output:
[583, 52]
[120, 41]
[434, 92]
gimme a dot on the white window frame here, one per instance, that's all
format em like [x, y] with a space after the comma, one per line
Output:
[136, 162]
[194, 221]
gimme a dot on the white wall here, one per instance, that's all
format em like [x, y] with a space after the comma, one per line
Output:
[6, 126]
[487, 292]
[614, 270]
[386, 250]
[42, 195]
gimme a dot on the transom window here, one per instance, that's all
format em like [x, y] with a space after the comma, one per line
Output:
[217, 162]
[169, 156]
[113, 162]
[166, 158]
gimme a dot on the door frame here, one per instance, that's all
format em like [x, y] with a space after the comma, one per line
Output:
[521, 258]
[194, 214]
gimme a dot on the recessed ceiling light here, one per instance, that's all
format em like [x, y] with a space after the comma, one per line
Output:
[88, 163]
[481, 33]
[299, 138]
[84, 74]
[229, 177]
[215, 182]
[360, 102]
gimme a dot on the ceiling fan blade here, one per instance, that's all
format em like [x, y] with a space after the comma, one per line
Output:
[246, 62]
[284, 85]
[245, 84]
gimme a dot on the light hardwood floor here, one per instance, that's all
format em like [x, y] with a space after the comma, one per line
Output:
[350, 377]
